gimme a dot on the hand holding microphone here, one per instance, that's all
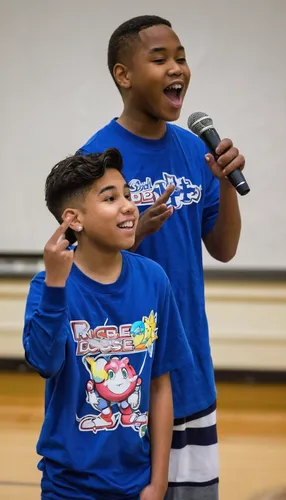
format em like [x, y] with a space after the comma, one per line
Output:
[228, 162]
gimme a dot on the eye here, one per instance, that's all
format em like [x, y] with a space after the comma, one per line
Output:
[110, 198]
[128, 196]
[159, 61]
[181, 59]
[111, 374]
[124, 373]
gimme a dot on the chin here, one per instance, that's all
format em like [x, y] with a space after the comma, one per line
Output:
[127, 244]
[124, 244]
[171, 116]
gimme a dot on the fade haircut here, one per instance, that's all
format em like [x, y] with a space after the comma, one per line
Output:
[123, 38]
[73, 177]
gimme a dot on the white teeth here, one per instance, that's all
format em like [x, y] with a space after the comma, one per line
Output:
[176, 86]
[128, 223]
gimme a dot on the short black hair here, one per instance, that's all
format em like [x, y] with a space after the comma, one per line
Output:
[73, 178]
[123, 37]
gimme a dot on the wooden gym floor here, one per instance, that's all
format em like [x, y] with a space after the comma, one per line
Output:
[252, 431]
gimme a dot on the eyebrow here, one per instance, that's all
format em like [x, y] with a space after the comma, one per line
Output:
[110, 188]
[154, 50]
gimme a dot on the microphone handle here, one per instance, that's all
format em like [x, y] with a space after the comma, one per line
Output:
[211, 139]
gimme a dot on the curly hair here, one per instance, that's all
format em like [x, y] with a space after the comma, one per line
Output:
[73, 178]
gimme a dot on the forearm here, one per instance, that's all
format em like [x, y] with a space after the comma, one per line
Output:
[161, 428]
[45, 333]
[152, 219]
[222, 241]
[138, 240]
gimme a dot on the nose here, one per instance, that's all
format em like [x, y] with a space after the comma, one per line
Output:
[128, 206]
[175, 69]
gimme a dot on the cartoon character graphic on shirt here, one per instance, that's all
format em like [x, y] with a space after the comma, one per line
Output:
[144, 332]
[114, 388]
[113, 381]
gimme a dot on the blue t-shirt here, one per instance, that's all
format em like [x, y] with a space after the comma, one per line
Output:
[99, 346]
[149, 166]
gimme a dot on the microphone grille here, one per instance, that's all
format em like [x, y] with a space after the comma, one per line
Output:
[197, 122]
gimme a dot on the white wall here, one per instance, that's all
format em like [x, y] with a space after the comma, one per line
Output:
[55, 92]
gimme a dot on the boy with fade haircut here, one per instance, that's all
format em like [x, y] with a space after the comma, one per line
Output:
[102, 326]
[181, 190]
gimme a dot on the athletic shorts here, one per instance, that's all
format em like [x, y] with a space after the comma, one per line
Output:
[193, 470]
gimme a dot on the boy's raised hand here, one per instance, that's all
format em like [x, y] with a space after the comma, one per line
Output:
[154, 217]
[57, 258]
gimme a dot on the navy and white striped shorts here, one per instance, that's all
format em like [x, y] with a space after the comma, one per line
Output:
[193, 470]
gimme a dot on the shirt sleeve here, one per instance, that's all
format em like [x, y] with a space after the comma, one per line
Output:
[82, 151]
[211, 199]
[172, 349]
[45, 327]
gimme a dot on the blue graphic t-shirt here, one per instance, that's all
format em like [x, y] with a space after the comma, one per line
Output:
[99, 346]
[149, 166]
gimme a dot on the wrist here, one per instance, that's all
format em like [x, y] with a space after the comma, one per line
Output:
[226, 188]
[54, 283]
[140, 236]
[159, 486]
[53, 298]
[224, 182]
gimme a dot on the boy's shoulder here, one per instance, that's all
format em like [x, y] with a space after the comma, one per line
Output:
[38, 278]
[147, 266]
[102, 137]
[98, 139]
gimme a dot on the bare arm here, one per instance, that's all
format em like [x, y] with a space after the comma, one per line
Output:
[160, 426]
[222, 241]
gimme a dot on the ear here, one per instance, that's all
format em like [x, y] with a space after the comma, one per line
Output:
[75, 218]
[121, 75]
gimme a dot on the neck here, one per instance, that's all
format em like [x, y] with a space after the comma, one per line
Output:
[140, 124]
[101, 265]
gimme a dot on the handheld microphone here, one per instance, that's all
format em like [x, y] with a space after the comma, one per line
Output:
[201, 124]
